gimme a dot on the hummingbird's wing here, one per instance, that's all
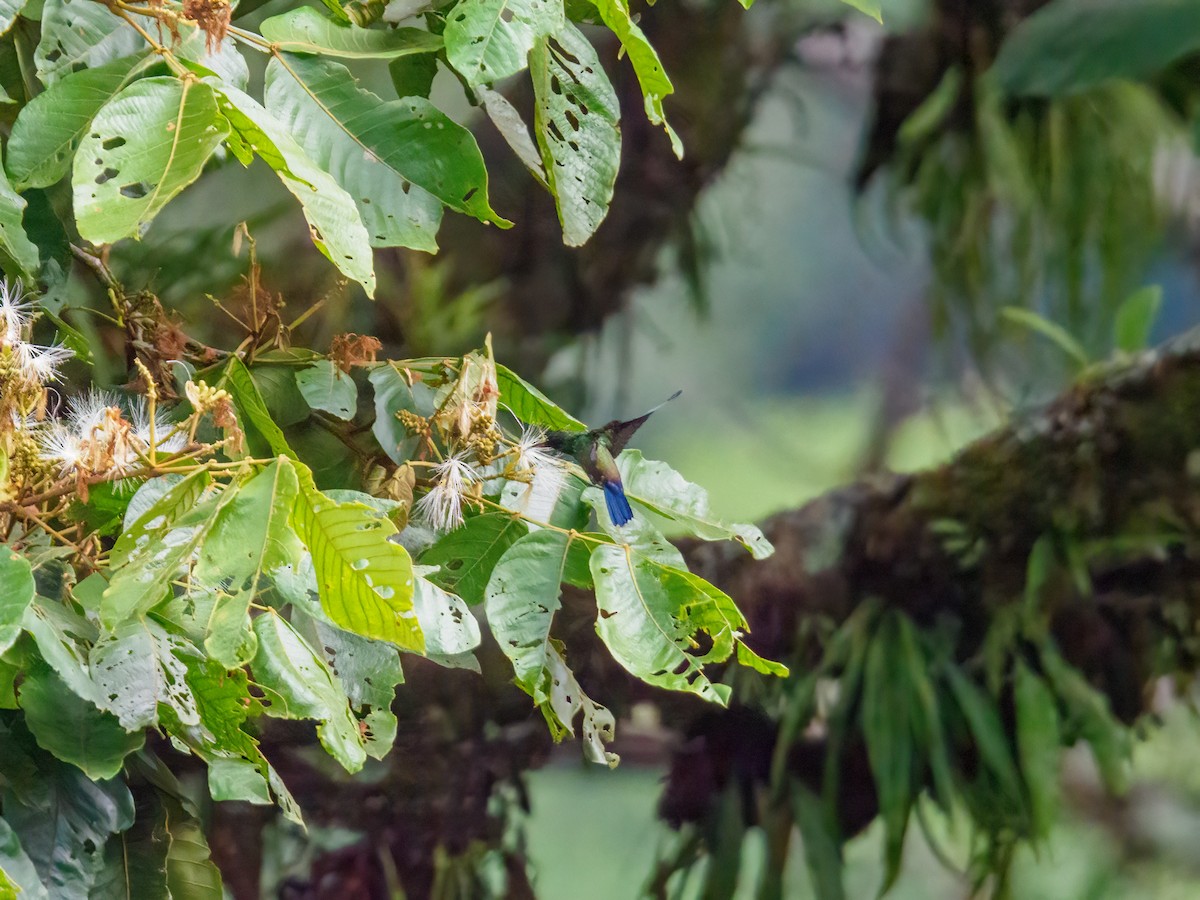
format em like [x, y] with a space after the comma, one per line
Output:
[620, 432]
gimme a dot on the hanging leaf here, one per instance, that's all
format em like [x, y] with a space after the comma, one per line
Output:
[530, 405]
[365, 580]
[451, 632]
[305, 30]
[13, 239]
[467, 555]
[144, 146]
[50, 126]
[16, 593]
[78, 34]
[576, 117]
[328, 388]
[332, 216]
[512, 128]
[58, 634]
[873, 8]
[487, 40]
[1135, 319]
[300, 686]
[138, 667]
[1039, 743]
[567, 700]
[370, 144]
[253, 415]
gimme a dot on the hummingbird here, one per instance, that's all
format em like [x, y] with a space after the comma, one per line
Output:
[596, 452]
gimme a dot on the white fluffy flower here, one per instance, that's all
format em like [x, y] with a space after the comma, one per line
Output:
[532, 452]
[15, 311]
[441, 507]
[40, 364]
[164, 440]
[60, 444]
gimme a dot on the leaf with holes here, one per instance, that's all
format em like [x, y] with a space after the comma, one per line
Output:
[365, 580]
[78, 34]
[567, 700]
[305, 30]
[138, 667]
[329, 389]
[374, 148]
[300, 686]
[651, 613]
[51, 125]
[332, 216]
[576, 117]
[451, 632]
[487, 40]
[144, 146]
[646, 64]
[468, 554]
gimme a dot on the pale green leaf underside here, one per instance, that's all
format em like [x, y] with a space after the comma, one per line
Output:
[81, 32]
[329, 389]
[305, 30]
[487, 40]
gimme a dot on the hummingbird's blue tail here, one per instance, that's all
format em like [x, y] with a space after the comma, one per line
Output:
[618, 504]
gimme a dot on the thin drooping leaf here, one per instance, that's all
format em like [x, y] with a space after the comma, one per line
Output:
[329, 389]
[822, 853]
[1039, 745]
[487, 40]
[530, 405]
[658, 486]
[567, 700]
[72, 728]
[576, 116]
[331, 213]
[16, 593]
[990, 739]
[253, 415]
[51, 125]
[14, 240]
[305, 30]
[513, 129]
[873, 8]
[646, 64]
[1052, 331]
[81, 33]
[1135, 318]
[468, 554]
[143, 147]
[365, 138]
[522, 598]
[139, 666]
[365, 580]
[300, 686]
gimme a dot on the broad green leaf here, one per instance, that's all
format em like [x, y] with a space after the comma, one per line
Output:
[51, 125]
[9, 10]
[1135, 319]
[16, 593]
[59, 635]
[651, 612]
[163, 549]
[144, 146]
[305, 30]
[468, 554]
[666, 492]
[1070, 46]
[300, 686]
[276, 385]
[646, 64]
[567, 700]
[72, 728]
[191, 873]
[530, 405]
[138, 667]
[18, 868]
[224, 61]
[1038, 744]
[451, 632]
[229, 639]
[79, 33]
[365, 138]
[576, 116]
[237, 779]
[135, 861]
[328, 388]
[873, 8]
[151, 491]
[412, 76]
[13, 239]
[394, 393]
[365, 580]
[158, 502]
[331, 213]
[522, 598]
[487, 40]
[253, 415]
[887, 710]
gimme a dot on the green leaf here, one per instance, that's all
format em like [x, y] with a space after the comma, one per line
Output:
[328, 388]
[468, 554]
[576, 116]
[646, 64]
[300, 686]
[238, 779]
[530, 405]
[51, 125]
[1027, 318]
[553, 496]
[161, 548]
[1086, 714]
[138, 667]
[751, 660]
[651, 611]
[522, 597]
[144, 146]
[365, 581]
[412, 76]
[72, 728]
[451, 632]
[191, 873]
[1072, 45]
[13, 239]
[872, 8]
[567, 700]
[1039, 745]
[990, 738]
[18, 868]
[9, 10]
[253, 415]
[332, 215]
[58, 633]
[225, 62]
[660, 488]
[821, 849]
[305, 30]
[1135, 319]
[16, 593]
[229, 638]
[135, 861]
[487, 40]
[79, 33]
[393, 393]
[409, 140]
[513, 129]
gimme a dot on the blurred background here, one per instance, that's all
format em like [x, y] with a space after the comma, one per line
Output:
[884, 240]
